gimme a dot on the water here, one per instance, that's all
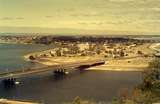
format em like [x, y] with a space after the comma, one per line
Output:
[98, 86]
[11, 55]
[93, 85]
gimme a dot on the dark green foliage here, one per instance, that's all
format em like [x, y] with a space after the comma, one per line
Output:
[31, 57]
[151, 77]
[155, 64]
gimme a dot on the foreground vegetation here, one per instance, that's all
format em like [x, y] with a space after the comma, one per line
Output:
[146, 93]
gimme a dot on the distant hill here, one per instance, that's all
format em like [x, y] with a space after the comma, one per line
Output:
[66, 31]
[40, 30]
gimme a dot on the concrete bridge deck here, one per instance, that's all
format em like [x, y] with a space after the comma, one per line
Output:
[68, 66]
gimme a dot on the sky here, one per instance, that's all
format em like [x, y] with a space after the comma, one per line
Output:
[137, 16]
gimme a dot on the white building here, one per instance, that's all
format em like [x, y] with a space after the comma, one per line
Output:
[83, 46]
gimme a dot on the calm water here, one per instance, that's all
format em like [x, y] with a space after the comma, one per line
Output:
[94, 85]
[11, 55]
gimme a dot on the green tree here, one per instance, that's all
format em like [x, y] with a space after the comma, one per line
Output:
[151, 77]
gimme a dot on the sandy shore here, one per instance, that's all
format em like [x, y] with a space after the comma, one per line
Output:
[154, 47]
[137, 63]
[63, 60]
[5, 101]
[123, 65]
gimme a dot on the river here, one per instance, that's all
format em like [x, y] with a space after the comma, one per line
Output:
[11, 55]
[93, 85]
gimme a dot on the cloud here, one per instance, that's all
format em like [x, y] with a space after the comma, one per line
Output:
[82, 23]
[98, 23]
[91, 14]
[19, 18]
[155, 9]
[108, 22]
[69, 9]
[6, 18]
[11, 18]
[91, 23]
[121, 0]
[49, 16]
[151, 21]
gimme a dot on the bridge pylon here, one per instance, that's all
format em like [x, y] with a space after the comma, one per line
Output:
[9, 82]
[60, 71]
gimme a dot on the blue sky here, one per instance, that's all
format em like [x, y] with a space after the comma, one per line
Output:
[141, 16]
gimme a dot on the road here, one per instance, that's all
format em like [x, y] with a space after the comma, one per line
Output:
[68, 66]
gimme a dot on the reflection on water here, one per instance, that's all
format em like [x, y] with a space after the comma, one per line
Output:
[97, 85]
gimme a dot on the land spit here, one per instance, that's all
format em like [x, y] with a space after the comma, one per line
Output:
[129, 63]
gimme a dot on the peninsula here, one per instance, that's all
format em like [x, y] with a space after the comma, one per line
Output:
[121, 53]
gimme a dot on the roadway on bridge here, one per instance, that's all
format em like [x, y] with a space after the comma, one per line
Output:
[68, 66]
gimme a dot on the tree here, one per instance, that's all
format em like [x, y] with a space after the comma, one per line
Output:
[121, 53]
[31, 57]
[151, 77]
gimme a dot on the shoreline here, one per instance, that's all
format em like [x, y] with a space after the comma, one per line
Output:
[118, 68]
[7, 101]
[4, 42]
[153, 47]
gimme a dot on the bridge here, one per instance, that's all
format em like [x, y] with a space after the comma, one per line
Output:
[61, 69]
